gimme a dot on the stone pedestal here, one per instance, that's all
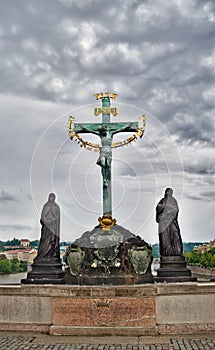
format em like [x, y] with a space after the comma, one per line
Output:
[173, 269]
[112, 256]
[138, 310]
[108, 279]
[45, 271]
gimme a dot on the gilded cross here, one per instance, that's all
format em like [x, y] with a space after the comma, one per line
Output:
[105, 130]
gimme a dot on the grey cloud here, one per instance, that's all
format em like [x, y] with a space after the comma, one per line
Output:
[202, 196]
[6, 196]
[194, 128]
[194, 197]
[15, 227]
[158, 55]
[18, 196]
[29, 196]
[199, 169]
[208, 194]
[58, 49]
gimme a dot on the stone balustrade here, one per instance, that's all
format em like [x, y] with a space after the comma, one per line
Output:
[149, 309]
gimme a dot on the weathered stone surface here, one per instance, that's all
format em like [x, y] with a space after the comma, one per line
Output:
[137, 291]
[132, 312]
[109, 310]
[82, 291]
[16, 309]
[185, 288]
[185, 309]
[25, 327]
[104, 331]
[118, 312]
[173, 269]
[187, 328]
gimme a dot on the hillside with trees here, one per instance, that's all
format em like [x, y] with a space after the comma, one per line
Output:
[187, 247]
[206, 259]
[11, 266]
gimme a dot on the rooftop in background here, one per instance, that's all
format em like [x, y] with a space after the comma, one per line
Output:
[205, 247]
[24, 243]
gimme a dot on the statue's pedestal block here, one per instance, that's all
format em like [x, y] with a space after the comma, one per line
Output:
[173, 269]
[45, 271]
[111, 280]
[112, 256]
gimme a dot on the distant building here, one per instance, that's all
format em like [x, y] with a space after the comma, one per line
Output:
[26, 255]
[201, 249]
[29, 256]
[10, 254]
[11, 247]
[25, 243]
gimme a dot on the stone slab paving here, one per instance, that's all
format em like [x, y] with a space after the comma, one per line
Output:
[13, 342]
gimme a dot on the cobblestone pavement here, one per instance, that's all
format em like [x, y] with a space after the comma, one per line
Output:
[8, 342]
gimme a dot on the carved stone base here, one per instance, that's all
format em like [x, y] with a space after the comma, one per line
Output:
[109, 256]
[107, 279]
[173, 269]
[46, 271]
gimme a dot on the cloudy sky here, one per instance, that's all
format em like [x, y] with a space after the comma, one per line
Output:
[159, 56]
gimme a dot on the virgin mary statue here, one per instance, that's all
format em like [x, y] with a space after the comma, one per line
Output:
[49, 246]
[168, 228]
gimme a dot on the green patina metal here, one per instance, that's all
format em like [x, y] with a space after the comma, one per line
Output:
[106, 130]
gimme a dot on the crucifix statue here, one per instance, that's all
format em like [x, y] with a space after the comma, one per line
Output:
[106, 131]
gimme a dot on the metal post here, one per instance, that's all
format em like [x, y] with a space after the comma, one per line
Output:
[107, 191]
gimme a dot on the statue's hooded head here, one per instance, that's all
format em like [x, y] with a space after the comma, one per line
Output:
[51, 197]
[168, 192]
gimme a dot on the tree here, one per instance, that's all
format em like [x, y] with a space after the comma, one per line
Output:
[13, 242]
[5, 266]
[23, 265]
[206, 259]
[15, 265]
[34, 243]
[192, 257]
[3, 256]
[2, 249]
[213, 261]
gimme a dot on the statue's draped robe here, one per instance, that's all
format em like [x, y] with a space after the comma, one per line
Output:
[168, 228]
[49, 246]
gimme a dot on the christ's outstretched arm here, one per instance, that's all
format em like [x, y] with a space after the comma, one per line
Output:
[89, 128]
[126, 127]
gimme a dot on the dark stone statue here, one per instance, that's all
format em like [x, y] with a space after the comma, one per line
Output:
[49, 246]
[168, 228]
[47, 266]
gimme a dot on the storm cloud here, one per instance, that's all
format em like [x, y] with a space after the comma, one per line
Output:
[159, 57]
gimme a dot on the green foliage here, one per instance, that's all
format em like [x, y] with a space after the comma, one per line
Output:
[206, 259]
[187, 247]
[24, 265]
[13, 242]
[34, 243]
[12, 266]
[213, 261]
[5, 266]
[15, 265]
[192, 257]
[2, 246]
[2, 256]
